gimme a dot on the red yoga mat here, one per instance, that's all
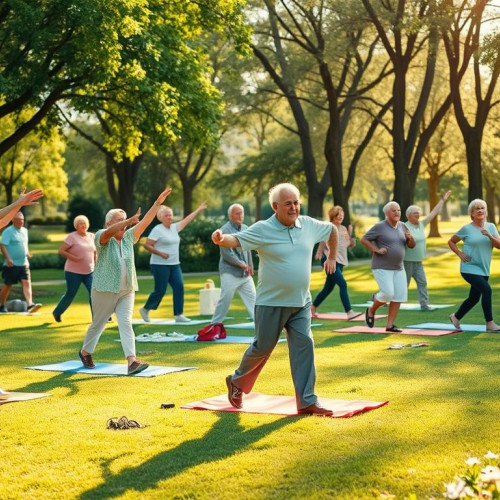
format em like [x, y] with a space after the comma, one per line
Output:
[282, 405]
[343, 316]
[406, 331]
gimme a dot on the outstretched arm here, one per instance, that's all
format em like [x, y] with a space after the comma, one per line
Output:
[184, 222]
[437, 209]
[225, 240]
[150, 214]
[25, 199]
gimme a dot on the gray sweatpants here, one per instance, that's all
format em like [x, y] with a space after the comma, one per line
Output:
[269, 322]
[416, 271]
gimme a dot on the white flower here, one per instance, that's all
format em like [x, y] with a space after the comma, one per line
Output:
[456, 490]
[490, 473]
[491, 455]
[472, 461]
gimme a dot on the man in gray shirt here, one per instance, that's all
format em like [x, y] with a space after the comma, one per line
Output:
[235, 268]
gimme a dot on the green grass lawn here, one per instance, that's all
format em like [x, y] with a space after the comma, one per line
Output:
[443, 407]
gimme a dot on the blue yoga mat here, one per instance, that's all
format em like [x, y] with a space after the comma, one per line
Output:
[448, 326]
[251, 326]
[108, 369]
[162, 338]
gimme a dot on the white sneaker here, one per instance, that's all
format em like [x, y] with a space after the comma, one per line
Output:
[180, 318]
[34, 308]
[352, 314]
[144, 314]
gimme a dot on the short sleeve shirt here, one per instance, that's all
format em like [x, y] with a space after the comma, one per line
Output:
[417, 253]
[478, 247]
[166, 240]
[392, 238]
[110, 259]
[80, 246]
[16, 241]
[285, 255]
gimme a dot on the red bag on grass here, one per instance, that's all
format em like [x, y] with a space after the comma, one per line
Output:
[212, 332]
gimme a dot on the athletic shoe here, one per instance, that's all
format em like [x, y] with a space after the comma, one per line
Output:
[144, 314]
[353, 314]
[393, 329]
[3, 309]
[34, 308]
[180, 318]
[493, 328]
[136, 367]
[427, 308]
[234, 394]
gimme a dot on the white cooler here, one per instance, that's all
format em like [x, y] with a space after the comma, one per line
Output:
[208, 300]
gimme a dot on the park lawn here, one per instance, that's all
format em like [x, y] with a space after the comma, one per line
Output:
[443, 407]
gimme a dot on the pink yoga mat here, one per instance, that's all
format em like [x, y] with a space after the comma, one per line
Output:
[406, 331]
[342, 316]
[283, 405]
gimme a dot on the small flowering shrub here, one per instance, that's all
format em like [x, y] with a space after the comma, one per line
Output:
[481, 480]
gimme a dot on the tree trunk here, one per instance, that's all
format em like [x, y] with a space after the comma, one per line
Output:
[490, 200]
[473, 154]
[432, 183]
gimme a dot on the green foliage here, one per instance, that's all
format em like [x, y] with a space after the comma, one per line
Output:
[46, 261]
[88, 206]
[47, 220]
[37, 236]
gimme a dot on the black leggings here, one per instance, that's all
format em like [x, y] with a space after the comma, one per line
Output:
[479, 289]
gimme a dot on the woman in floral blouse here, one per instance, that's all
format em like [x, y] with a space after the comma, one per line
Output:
[115, 281]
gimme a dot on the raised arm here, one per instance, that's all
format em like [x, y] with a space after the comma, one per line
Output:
[437, 209]
[184, 222]
[25, 199]
[141, 226]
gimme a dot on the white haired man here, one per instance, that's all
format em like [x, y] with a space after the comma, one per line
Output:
[285, 243]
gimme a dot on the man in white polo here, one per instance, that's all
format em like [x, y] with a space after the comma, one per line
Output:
[285, 244]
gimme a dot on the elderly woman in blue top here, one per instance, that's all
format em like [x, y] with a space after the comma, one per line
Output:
[285, 244]
[413, 265]
[479, 237]
[115, 281]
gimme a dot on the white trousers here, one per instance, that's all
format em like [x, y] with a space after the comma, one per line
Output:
[104, 304]
[229, 285]
[392, 285]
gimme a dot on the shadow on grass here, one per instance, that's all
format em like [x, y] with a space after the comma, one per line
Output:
[224, 439]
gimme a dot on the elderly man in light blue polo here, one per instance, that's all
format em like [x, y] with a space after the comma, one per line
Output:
[285, 244]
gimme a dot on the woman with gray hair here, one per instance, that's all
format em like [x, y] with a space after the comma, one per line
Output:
[163, 243]
[79, 250]
[387, 240]
[479, 237]
[115, 281]
[413, 265]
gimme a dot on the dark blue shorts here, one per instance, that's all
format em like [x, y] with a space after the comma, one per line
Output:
[15, 274]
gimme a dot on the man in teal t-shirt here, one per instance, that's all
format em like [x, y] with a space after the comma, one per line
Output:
[16, 268]
[285, 244]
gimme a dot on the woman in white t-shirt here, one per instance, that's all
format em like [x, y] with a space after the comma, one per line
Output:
[163, 244]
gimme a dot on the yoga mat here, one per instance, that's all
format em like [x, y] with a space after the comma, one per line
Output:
[409, 306]
[161, 338]
[12, 397]
[251, 326]
[108, 369]
[343, 316]
[406, 331]
[449, 326]
[171, 322]
[282, 405]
